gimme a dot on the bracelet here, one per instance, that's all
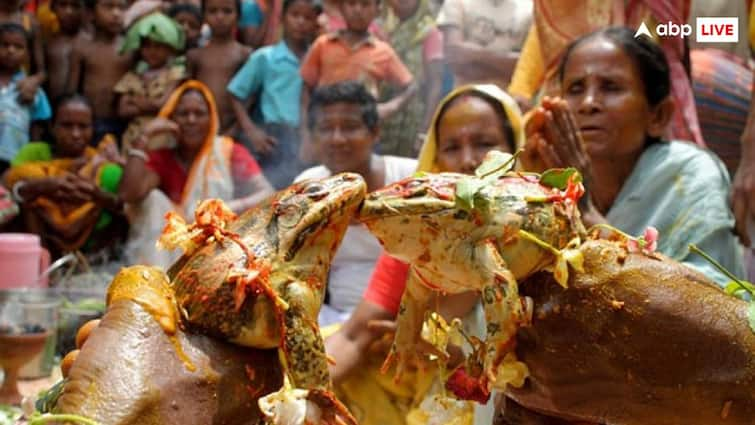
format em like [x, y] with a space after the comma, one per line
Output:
[15, 192]
[138, 153]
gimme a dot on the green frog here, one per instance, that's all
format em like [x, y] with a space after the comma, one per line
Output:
[475, 233]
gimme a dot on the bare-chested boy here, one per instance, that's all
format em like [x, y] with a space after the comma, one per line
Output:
[217, 62]
[10, 11]
[96, 65]
[70, 15]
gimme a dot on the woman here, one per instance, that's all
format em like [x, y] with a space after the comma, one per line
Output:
[557, 23]
[202, 165]
[469, 122]
[419, 44]
[616, 107]
[343, 121]
[67, 191]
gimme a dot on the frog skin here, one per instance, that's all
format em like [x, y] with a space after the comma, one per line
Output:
[452, 249]
[254, 282]
[263, 283]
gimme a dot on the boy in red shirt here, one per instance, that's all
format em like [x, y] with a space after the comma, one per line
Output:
[355, 54]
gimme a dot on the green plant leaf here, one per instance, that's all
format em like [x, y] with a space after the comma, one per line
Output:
[495, 164]
[559, 177]
[466, 189]
[751, 315]
[419, 174]
[739, 289]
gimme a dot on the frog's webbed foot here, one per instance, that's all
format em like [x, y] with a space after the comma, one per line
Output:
[405, 352]
[505, 313]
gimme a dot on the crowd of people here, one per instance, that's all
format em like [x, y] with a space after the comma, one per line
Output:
[114, 112]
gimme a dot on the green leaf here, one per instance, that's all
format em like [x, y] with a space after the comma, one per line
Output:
[495, 164]
[740, 288]
[751, 315]
[559, 177]
[419, 174]
[466, 189]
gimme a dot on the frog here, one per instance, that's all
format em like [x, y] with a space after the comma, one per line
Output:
[481, 233]
[258, 280]
[254, 281]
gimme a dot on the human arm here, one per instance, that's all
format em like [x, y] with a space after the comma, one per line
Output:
[138, 179]
[554, 141]
[246, 83]
[389, 108]
[474, 62]
[75, 67]
[347, 346]
[27, 88]
[398, 74]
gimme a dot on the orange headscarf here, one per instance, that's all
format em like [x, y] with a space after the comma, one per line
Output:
[212, 133]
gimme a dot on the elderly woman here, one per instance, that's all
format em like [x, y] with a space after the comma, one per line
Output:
[202, 165]
[616, 106]
[468, 123]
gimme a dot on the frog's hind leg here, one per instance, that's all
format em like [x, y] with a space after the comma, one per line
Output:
[505, 312]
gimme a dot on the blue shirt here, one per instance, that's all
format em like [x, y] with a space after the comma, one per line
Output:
[16, 118]
[251, 14]
[682, 190]
[272, 73]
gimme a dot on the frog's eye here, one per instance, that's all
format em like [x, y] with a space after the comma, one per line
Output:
[313, 188]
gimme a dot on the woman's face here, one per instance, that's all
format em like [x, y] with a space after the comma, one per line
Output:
[192, 115]
[468, 129]
[605, 92]
[73, 129]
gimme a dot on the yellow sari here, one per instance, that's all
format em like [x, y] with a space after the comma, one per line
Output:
[59, 215]
[374, 398]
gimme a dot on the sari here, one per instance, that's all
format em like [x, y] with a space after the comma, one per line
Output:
[560, 22]
[209, 177]
[407, 38]
[101, 165]
[375, 398]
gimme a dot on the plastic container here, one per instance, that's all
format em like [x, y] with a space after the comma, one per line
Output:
[22, 261]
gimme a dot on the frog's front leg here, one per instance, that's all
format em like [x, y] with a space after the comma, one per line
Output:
[304, 353]
[405, 351]
[505, 312]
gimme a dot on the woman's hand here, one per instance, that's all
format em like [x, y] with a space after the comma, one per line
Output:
[68, 187]
[553, 135]
[160, 126]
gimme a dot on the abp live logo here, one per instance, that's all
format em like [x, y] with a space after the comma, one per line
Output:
[709, 30]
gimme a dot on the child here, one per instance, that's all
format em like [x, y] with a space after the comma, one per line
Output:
[190, 18]
[143, 90]
[217, 62]
[354, 54]
[96, 65]
[34, 62]
[272, 75]
[17, 120]
[59, 46]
